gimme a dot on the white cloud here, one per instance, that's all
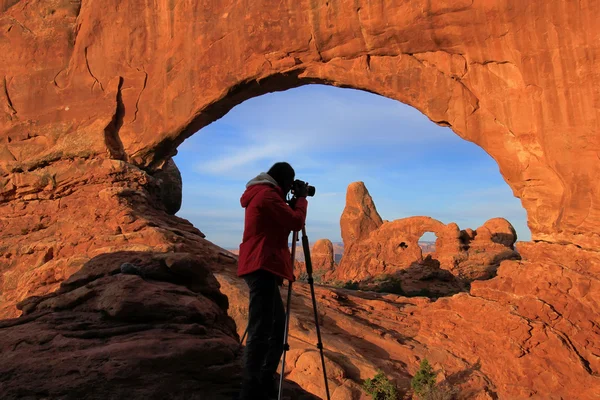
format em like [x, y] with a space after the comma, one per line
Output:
[242, 156]
[194, 213]
[309, 120]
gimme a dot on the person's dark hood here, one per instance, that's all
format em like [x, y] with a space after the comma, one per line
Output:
[262, 181]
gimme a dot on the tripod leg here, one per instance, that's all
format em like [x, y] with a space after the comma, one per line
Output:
[244, 336]
[314, 303]
[286, 346]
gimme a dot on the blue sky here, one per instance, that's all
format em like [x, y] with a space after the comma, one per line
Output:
[332, 137]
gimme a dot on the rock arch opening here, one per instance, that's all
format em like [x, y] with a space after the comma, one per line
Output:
[91, 114]
[427, 242]
[333, 137]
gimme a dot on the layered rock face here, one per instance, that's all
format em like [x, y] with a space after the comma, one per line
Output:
[393, 247]
[105, 333]
[529, 333]
[523, 91]
[136, 325]
[322, 261]
[322, 256]
[360, 217]
[96, 96]
[65, 214]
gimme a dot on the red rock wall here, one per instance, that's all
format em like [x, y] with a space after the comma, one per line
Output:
[96, 96]
[130, 80]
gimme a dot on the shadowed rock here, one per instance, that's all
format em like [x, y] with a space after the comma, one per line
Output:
[159, 331]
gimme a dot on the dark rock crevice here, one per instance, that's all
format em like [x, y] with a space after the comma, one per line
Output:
[112, 140]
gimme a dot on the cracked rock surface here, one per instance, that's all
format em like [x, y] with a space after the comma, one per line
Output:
[159, 331]
[96, 96]
[517, 79]
[530, 332]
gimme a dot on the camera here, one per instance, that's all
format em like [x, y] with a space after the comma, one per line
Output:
[298, 184]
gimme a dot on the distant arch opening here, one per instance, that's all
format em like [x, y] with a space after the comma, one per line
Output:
[427, 243]
[333, 136]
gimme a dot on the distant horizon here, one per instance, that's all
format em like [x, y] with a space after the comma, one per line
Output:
[342, 243]
[332, 137]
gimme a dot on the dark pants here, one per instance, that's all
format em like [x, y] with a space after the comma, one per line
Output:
[266, 325]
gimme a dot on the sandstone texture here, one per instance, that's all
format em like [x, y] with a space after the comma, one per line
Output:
[74, 210]
[322, 256]
[129, 81]
[323, 262]
[531, 332]
[392, 250]
[136, 325]
[96, 96]
[359, 217]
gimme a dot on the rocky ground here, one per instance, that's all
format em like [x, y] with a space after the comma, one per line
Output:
[134, 325]
[160, 325]
[530, 332]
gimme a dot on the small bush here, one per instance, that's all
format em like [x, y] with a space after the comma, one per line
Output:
[351, 285]
[424, 380]
[438, 393]
[318, 276]
[381, 278]
[392, 285]
[380, 387]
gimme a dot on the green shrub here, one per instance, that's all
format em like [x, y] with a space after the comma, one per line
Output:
[392, 284]
[425, 387]
[438, 393]
[318, 275]
[351, 285]
[380, 387]
[424, 380]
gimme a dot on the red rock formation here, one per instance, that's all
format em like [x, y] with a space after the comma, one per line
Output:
[485, 248]
[322, 255]
[322, 258]
[394, 247]
[88, 117]
[123, 334]
[517, 336]
[134, 325]
[72, 87]
[74, 210]
[359, 217]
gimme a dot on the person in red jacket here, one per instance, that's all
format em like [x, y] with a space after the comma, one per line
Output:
[264, 262]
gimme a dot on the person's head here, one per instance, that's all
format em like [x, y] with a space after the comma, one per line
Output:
[284, 175]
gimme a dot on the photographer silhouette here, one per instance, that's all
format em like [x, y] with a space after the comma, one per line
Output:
[264, 262]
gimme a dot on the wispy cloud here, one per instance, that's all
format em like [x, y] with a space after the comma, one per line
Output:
[307, 121]
[333, 137]
[241, 157]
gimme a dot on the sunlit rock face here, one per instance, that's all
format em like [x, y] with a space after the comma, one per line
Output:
[95, 97]
[376, 250]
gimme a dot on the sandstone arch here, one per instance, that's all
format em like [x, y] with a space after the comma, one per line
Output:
[96, 96]
[394, 246]
[483, 69]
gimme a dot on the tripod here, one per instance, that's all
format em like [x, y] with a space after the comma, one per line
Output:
[309, 271]
[286, 346]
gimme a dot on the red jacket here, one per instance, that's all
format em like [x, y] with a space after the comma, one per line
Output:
[268, 223]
